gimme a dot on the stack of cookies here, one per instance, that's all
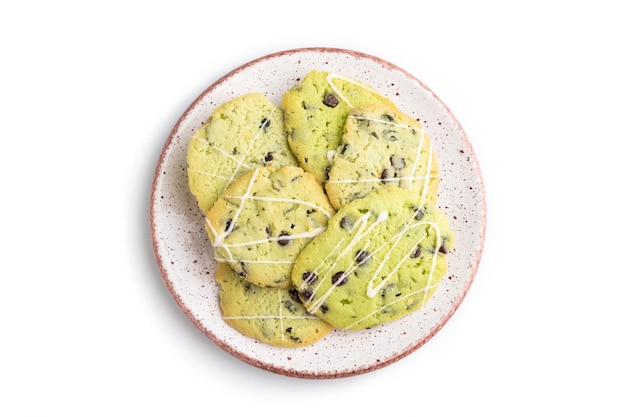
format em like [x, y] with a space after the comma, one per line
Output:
[322, 213]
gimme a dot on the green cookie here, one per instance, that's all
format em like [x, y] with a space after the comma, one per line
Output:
[381, 258]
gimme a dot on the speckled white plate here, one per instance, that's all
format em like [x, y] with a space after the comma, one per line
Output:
[185, 256]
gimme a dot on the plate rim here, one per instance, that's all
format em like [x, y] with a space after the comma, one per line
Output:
[258, 362]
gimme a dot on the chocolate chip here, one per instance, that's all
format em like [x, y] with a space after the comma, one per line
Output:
[387, 117]
[268, 231]
[291, 307]
[227, 226]
[265, 124]
[309, 277]
[306, 294]
[389, 290]
[417, 253]
[293, 293]
[331, 100]
[442, 248]
[347, 222]
[283, 242]
[362, 257]
[339, 278]
[269, 157]
[385, 175]
[390, 134]
[397, 162]
[323, 308]
[419, 213]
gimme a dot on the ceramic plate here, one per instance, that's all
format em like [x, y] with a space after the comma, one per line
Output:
[185, 256]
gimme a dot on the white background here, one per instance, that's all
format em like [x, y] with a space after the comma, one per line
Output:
[89, 92]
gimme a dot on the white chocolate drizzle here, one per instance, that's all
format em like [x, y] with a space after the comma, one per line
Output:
[257, 261]
[331, 76]
[396, 179]
[304, 235]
